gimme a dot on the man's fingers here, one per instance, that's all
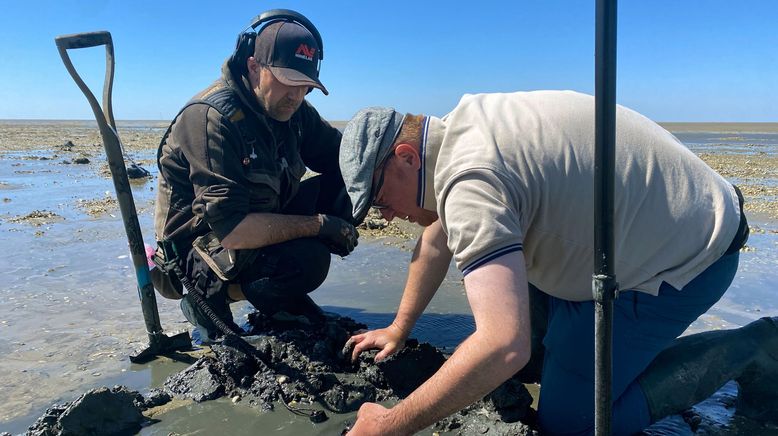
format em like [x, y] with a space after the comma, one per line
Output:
[365, 340]
[358, 349]
[386, 352]
[355, 427]
[357, 337]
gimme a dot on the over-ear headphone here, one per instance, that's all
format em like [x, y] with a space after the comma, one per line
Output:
[244, 47]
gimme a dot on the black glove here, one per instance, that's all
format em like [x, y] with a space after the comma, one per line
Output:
[339, 235]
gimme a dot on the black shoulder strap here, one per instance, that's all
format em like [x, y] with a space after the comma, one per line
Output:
[224, 100]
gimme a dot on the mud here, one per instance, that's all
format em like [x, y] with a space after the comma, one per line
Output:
[303, 368]
[37, 218]
[98, 206]
[100, 411]
[391, 232]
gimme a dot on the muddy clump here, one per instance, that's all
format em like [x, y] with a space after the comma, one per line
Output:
[66, 146]
[135, 171]
[505, 411]
[306, 369]
[37, 218]
[101, 411]
[98, 206]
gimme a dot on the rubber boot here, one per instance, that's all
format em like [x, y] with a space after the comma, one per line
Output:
[302, 309]
[206, 328]
[696, 366]
[265, 296]
[758, 394]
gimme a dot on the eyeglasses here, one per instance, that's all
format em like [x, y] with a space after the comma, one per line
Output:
[375, 204]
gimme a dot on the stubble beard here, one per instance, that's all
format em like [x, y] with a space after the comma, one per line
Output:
[282, 110]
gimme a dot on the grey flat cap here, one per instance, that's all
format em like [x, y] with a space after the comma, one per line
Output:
[367, 142]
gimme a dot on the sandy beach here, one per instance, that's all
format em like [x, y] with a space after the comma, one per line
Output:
[69, 315]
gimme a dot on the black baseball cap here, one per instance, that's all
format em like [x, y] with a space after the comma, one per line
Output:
[291, 53]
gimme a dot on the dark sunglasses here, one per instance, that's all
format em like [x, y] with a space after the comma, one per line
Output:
[375, 204]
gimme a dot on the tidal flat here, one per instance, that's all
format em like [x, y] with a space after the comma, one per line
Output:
[70, 315]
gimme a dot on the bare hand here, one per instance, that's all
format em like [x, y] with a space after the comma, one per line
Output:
[389, 340]
[372, 419]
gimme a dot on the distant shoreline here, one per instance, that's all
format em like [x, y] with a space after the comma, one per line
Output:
[673, 126]
[720, 127]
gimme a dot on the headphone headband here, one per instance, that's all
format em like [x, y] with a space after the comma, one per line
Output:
[288, 14]
[244, 47]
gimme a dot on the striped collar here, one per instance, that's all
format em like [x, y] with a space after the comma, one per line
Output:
[431, 139]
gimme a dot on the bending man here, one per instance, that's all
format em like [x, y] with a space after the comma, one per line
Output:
[504, 184]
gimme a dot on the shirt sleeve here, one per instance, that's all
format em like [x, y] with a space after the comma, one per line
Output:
[480, 215]
[211, 147]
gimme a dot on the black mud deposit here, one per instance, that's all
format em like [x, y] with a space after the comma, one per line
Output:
[305, 370]
[99, 411]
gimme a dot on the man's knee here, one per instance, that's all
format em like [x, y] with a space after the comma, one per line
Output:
[293, 267]
[566, 400]
[312, 258]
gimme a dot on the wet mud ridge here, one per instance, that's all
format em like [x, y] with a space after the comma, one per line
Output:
[297, 366]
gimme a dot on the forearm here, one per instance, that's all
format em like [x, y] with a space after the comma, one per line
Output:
[500, 346]
[259, 230]
[430, 262]
[475, 369]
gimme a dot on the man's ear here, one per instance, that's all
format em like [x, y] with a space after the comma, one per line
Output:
[253, 71]
[408, 154]
[252, 66]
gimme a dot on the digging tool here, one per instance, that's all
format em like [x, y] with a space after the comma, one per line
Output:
[159, 343]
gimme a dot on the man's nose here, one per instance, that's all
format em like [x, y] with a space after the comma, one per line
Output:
[297, 92]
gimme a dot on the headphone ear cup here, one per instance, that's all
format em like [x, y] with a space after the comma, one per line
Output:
[244, 48]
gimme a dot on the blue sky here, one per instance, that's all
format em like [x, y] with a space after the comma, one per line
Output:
[679, 60]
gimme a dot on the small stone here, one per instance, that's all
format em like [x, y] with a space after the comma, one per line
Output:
[235, 399]
[135, 171]
[318, 416]
[282, 379]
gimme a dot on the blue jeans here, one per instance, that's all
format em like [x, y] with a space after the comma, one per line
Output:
[643, 326]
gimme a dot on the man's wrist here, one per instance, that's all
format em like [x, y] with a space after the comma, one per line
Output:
[397, 422]
[402, 327]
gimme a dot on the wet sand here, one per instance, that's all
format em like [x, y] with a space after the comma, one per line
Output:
[69, 313]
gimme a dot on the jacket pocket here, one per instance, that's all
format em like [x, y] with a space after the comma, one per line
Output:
[265, 190]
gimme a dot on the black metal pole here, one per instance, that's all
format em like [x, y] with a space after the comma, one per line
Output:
[604, 286]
